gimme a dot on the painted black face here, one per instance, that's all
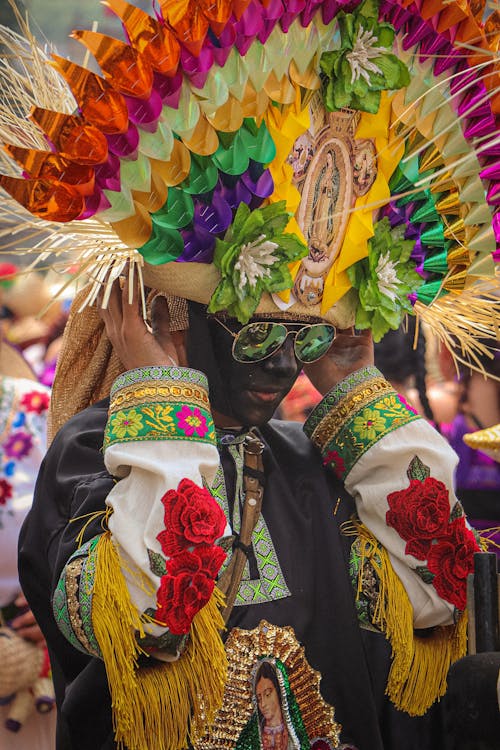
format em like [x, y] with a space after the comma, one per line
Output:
[242, 394]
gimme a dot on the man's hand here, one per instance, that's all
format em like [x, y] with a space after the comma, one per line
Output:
[133, 342]
[25, 624]
[348, 353]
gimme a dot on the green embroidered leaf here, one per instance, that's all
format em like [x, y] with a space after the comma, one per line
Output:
[418, 470]
[424, 573]
[457, 511]
[157, 563]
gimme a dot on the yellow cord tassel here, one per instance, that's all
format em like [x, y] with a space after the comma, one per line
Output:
[168, 704]
[417, 677]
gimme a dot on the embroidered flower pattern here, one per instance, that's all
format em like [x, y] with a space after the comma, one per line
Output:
[193, 522]
[127, 424]
[433, 532]
[187, 586]
[18, 445]
[5, 491]
[191, 517]
[36, 401]
[369, 424]
[335, 460]
[192, 421]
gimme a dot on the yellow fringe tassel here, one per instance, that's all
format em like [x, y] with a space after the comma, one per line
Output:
[417, 677]
[167, 704]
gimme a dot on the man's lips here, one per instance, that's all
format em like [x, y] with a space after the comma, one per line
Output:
[264, 396]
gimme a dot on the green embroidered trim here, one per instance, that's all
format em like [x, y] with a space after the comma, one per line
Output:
[64, 612]
[336, 395]
[143, 374]
[160, 421]
[61, 613]
[85, 594]
[270, 585]
[357, 435]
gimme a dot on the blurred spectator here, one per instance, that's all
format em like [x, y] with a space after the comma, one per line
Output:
[26, 692]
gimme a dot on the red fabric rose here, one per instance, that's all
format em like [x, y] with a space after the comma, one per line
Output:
[187, 586]
[451, 560]
[420, 513]
[191, 517]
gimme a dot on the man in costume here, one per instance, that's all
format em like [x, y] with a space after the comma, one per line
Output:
[176, 505]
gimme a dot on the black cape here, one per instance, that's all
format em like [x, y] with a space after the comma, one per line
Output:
[299, 502]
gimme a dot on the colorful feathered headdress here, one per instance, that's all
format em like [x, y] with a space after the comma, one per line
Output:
[323, 157]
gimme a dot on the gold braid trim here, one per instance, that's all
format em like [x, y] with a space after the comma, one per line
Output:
[168, 704]
[134, 395]
[417, 677]
[356, 400]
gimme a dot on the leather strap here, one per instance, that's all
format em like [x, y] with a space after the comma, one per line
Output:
[229, 582]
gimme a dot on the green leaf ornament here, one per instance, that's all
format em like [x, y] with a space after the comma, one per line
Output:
[384, 280]
[253, 258]
[364, 65]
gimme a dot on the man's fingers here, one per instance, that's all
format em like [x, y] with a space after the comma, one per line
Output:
[160, 321]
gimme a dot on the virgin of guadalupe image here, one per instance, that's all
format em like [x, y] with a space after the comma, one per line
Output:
[326, 190]
[276, 723]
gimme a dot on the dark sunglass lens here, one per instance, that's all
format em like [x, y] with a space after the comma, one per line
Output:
[312, 342]
[257, 341]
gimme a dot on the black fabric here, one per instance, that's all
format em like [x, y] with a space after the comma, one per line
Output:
[298, 507]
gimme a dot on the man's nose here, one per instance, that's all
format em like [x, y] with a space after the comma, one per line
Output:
[283, 363]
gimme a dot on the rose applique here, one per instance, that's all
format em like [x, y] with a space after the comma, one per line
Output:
[434, 532]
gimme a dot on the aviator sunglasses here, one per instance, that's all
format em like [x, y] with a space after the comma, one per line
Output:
[260, 340]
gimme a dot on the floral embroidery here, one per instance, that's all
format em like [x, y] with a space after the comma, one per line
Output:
[5, 491]
[192, 516]
[451, 560]
[36, 401]
[335, 460]
[192, 421]
[18, 445]
[193, 522]
[127, 424]
[422, 516]
[369, 424]
[405, 403]
[187, 586]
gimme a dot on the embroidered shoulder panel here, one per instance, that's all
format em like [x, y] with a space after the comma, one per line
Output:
[72, 600]
[270, 584]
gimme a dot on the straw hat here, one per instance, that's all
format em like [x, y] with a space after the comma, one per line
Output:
[487, 441]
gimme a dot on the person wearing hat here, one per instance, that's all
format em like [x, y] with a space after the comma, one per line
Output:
[274, 176]
[25, 686]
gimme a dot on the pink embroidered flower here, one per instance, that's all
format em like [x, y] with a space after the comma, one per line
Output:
[5, 491]
[37, 401]
[18, 445]
[336, 461]
[192, 421]
[405, 403]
